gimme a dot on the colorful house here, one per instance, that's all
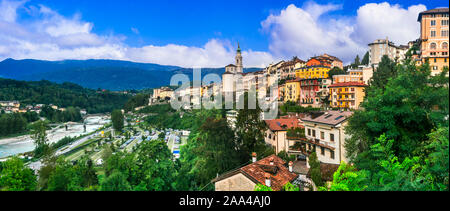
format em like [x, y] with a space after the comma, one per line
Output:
[347, 94]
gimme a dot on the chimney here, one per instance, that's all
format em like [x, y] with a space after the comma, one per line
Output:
[267, 176]
[254, 157]
[290, 166]
[271, 161]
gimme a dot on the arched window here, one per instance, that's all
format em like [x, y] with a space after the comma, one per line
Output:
[433, 46]
[445, 45]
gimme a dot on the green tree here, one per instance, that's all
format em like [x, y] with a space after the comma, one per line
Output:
[347, 178]
[314, 168]
[410, 105]
[115, 182]
[335, 71]
[261, 187]
[365, 60]
[217, 150]
[15, 176]
[250, 131]
[384, 72]
[357, 62]
[156, 167]
[117, 119]
[64, 177]
[39, 135]
[290, 187]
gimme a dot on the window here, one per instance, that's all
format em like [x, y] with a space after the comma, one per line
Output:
[433, 33]
[309, 132]
[444, 33]
[314, 133]
[444, 22]
[322, 151]
[444, 45]
[331, 137]
[331, 154]
[433, 46]
[433, 22]
[322, 135]
[435, 68]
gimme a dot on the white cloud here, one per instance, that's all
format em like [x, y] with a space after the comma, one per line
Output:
[302, 31]
[375, 21]
[295, 31]
[135, 30]
[8, 10]
[52, 36]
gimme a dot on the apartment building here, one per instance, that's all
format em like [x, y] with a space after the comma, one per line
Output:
[434, 38]
[313, 91]
[276, 134]
[347, 94]
[381, 47]
[325, 135]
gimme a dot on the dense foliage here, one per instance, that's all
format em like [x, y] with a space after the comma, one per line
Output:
[136, 101]
[295, 108]
[71, 114]
[426, 173]
[117, 119]
[63, 95]
[399, 141]
[15, 176]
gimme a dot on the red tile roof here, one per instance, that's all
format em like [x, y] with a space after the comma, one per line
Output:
[279, 174]
[346, 84]
[278, 124]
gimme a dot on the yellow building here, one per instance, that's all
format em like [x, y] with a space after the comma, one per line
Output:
[292, 91]
[314, 68]
[312, 72]
[434, 38]
[347, 95]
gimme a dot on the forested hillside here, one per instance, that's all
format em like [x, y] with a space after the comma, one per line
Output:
[63, 95]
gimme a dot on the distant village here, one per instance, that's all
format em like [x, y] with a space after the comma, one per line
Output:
[16, 107]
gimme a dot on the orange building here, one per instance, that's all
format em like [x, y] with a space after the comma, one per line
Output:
[347, 94]
[434, 38]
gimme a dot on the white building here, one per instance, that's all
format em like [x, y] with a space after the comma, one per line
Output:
[326, 136]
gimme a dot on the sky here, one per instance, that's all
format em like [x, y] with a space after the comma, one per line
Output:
[202, 33]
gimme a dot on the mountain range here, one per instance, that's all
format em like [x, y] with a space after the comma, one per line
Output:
[99, 74]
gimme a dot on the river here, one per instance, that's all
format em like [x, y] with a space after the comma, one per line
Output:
[22, 144]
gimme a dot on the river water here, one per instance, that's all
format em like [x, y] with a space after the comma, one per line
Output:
[21, 144]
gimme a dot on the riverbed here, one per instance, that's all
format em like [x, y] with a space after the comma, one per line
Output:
[22, 144]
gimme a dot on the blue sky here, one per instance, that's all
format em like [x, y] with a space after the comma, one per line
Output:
[167, 32]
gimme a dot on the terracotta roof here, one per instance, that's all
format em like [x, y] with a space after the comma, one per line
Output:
[346, 84]
[326, 170]
[329, 118]
[231, 65]
[433, 11]
[294, 80]
[279, 174]
[332, 57]
[278, 124]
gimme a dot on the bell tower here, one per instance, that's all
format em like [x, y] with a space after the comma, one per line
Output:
[239, 66]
